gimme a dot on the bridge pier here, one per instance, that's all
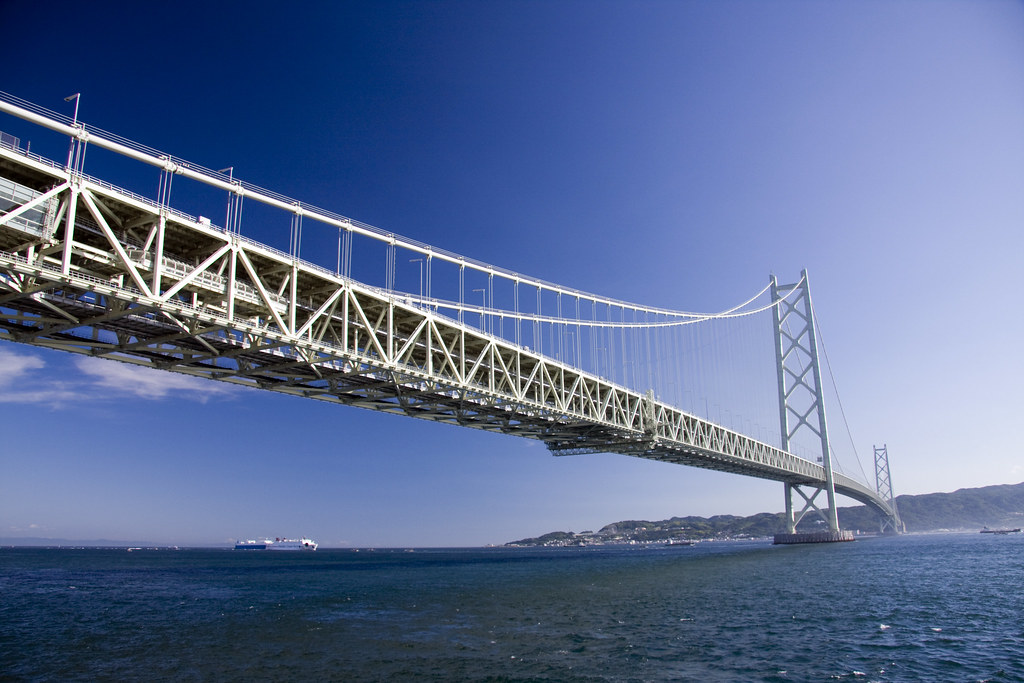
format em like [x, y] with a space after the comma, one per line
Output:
[814, 537]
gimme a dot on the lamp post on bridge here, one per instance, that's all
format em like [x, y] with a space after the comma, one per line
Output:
[419, 261]
[227, 217]
[74, 124]
[483, 305]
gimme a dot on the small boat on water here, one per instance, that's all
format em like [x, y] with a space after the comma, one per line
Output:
[986, 530]
[277, 544]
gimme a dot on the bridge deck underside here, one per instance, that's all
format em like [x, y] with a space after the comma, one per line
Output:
[87, 268]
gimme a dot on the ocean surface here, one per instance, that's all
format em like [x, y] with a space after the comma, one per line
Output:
[915, 608]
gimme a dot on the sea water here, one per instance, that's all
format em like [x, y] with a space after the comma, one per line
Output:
[913, 608]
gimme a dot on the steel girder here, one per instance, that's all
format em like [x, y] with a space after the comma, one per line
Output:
[91, 269]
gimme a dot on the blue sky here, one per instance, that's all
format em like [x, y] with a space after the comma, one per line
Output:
[671, 153]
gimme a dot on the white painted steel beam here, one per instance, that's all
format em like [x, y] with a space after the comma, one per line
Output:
[280, 324]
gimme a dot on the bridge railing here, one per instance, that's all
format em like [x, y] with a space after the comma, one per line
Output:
[216, 179]
[95, 135]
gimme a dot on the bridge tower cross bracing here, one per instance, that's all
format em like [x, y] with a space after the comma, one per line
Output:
[800, 392]
[883, 482]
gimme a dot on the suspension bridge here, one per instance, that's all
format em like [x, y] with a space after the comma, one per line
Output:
[374, 320]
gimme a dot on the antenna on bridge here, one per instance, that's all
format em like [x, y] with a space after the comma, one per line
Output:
[801, 396]
[883, 483]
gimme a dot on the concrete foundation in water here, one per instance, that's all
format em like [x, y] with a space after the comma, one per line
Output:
[814, 537]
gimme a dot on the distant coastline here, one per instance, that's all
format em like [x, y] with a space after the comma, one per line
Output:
[961, 510]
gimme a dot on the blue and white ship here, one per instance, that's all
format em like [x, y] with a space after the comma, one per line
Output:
[277, 544]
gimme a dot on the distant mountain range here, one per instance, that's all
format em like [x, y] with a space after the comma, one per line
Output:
[965, 509]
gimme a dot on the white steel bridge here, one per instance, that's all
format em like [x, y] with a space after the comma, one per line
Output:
[88, 267]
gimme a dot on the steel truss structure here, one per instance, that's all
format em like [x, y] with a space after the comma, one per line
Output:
[889, 524]
[89, 268]
[801, 404]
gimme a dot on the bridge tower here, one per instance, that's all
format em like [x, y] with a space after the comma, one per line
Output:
[893, 524]
[801, 399]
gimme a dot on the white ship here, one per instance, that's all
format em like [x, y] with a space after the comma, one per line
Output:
[277, 544]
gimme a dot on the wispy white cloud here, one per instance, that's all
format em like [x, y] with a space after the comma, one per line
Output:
[14, 365]
[25, 378]
[54, 394]
[148, 383]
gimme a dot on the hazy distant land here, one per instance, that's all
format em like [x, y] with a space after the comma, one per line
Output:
[962, 510]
